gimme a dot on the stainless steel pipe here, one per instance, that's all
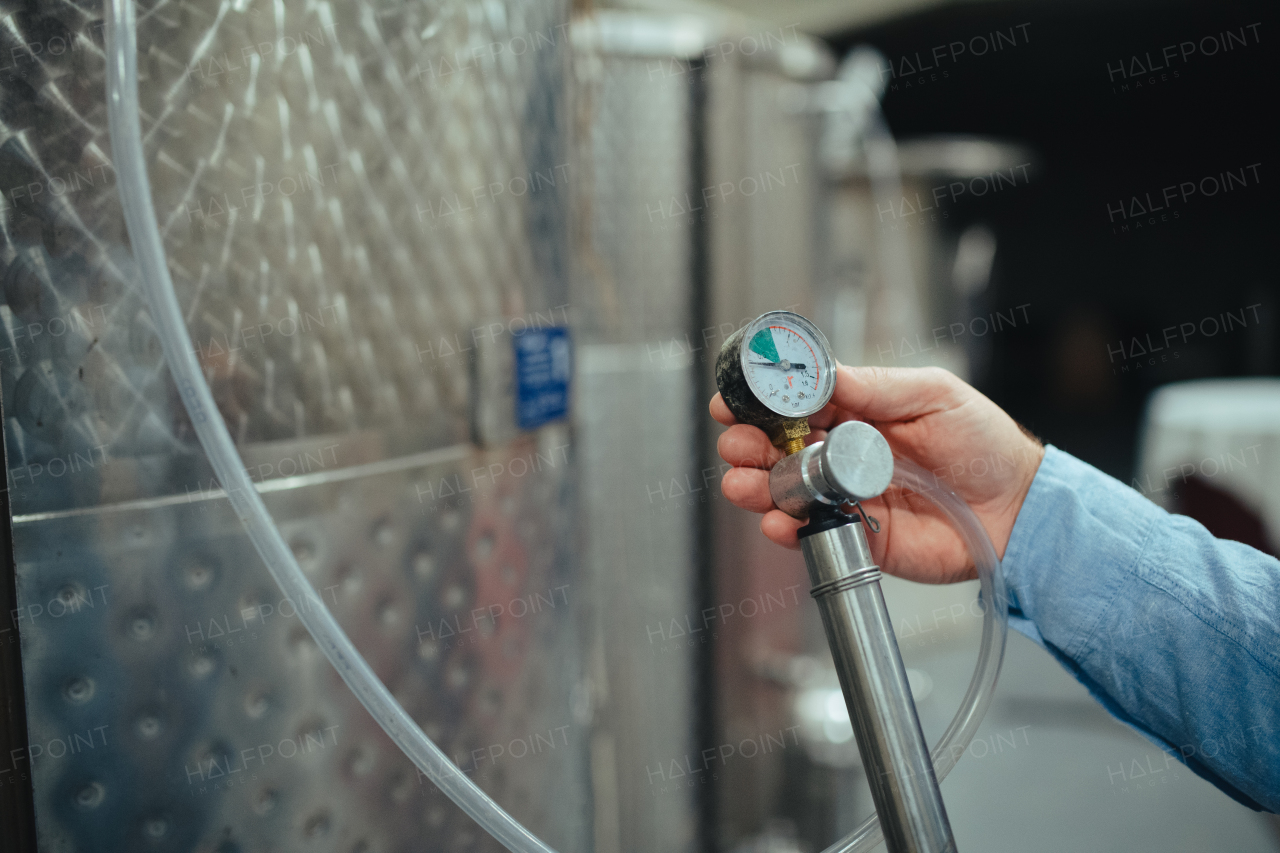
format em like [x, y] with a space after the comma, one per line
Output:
[846, 586]
[856, 464]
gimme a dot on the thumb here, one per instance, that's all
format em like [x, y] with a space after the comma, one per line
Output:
[895, 393]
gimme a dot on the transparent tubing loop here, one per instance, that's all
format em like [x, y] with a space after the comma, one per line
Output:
[148, 251]
[909, 476]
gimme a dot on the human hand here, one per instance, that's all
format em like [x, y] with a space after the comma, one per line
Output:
[929, 416]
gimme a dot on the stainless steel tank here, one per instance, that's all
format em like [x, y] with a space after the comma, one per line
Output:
[780, 793]
[637, 283]
[364, 206]
[699, 209]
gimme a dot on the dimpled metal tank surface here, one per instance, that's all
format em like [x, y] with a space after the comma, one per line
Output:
[362, 204]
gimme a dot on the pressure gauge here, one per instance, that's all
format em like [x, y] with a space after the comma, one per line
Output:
[775, 372]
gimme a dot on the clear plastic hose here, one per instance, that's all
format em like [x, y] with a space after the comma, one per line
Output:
[909, 476]
[148, 251]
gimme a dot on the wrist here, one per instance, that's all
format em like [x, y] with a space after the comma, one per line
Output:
[1029, 458]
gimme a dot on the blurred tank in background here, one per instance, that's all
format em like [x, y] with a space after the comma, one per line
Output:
[635, 287]
[912, 282]
[700, 209]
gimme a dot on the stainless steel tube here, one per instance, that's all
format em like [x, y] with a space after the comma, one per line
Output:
[846, 586]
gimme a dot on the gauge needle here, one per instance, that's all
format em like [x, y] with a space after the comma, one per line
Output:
[784, 365]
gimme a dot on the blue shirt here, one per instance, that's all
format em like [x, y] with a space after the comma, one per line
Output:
[1175, 632]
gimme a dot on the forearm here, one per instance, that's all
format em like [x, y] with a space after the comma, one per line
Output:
[1176, 632]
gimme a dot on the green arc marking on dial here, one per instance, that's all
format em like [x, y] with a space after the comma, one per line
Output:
[762, 343]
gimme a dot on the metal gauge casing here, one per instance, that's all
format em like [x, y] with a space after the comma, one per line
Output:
[778, 368]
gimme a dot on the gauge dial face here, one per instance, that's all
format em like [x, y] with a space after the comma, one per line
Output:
[788, 364]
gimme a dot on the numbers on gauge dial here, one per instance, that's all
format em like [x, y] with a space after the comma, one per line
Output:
[784, 368]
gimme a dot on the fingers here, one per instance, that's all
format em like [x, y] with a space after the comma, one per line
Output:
[895, 393]
[824, 418]
[747, 447]
[781, 528]
[747, 488]
[831, 416]
[721, 412]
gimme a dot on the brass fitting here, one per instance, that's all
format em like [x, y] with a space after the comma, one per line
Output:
[790, 435]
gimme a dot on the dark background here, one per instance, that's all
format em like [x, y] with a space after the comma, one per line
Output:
[1090, 288]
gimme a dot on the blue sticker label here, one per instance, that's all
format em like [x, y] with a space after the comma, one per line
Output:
[543, 368]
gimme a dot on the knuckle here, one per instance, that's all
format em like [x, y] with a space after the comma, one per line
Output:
[878, 374]
[940, 375]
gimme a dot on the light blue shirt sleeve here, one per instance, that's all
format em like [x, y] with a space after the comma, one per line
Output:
[1175, 632]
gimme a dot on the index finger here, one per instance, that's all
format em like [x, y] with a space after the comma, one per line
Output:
[721, 412]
